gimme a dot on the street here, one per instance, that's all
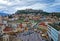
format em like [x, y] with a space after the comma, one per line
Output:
[31, 37]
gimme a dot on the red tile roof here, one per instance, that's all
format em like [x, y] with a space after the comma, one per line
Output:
[42, 23]
[1, 24]
[8, 29]
[20, 25]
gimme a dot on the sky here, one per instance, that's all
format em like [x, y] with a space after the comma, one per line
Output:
[11, 6]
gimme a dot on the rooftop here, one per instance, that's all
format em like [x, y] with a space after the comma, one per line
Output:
[1, 24]
[56, 26]
[7, 29]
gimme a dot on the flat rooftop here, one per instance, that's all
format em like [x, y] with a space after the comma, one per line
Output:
[56, 26]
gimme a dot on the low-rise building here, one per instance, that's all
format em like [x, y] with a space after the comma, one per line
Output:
[7, 29]
[6, 37]
[2, 26]
[1, 18]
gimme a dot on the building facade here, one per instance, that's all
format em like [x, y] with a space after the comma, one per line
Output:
[53, 34]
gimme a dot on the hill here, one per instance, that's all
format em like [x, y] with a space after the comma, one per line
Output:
[29, 11]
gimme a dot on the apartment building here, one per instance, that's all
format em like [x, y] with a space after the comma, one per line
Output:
[54, 32]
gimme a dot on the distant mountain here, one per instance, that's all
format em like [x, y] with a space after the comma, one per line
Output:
[29, 11]
[3, 14]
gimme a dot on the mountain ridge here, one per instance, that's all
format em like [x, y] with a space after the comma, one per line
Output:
[3, 14]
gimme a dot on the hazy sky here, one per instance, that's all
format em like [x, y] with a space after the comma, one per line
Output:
[11, 6]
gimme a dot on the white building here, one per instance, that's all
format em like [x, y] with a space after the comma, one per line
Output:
[1, 28]
[6, 37]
